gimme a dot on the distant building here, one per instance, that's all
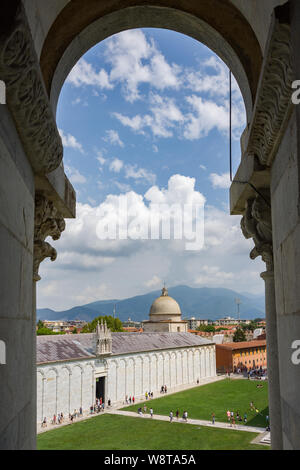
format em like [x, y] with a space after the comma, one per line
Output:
[64, 326]
[230, 321]
[165, 316]
[132, 329]
[194, 323]
[250, 354]
[131, 324]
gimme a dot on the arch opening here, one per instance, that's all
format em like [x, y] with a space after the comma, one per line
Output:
[64, 47]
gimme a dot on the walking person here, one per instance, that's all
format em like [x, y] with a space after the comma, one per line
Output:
[213, 418]
[177, 414]
[171, 416]
[151, 412]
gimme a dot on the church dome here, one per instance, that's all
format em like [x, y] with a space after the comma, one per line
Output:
[165, 305]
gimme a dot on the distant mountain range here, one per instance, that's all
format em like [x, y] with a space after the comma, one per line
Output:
[202, 302]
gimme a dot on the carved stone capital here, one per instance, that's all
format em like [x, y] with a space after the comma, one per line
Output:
[26, 94]
[48, 222]
[256, 224]
[273, 106]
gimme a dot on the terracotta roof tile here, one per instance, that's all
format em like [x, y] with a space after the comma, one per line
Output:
[243, 344]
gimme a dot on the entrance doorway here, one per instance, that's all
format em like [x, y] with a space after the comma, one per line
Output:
[100, 388]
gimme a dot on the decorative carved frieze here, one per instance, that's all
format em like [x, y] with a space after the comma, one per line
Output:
[273, 105]
[26, 96]
[48, 222]
[256, 223]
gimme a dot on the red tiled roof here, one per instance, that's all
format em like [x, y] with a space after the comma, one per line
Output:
[243, 344]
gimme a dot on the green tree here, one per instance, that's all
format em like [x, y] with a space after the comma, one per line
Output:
[206, 328]
[253, 325]
[239, 336]
[114, 324]
[40, 324]
[75, 331]
[46, 331]
[249, 327]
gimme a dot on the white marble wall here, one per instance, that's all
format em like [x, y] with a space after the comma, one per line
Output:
[17, 318]
[135, 374]
[64, 387]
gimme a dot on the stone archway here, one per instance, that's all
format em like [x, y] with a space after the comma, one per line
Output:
[92, 22]
[31, 155]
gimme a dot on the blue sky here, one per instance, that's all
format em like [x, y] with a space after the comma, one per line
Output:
[144, 116]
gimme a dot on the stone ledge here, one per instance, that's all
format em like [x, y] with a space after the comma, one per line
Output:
[249, 171]
[58, 189]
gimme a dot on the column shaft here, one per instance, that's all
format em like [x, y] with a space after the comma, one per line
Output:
[272, 360]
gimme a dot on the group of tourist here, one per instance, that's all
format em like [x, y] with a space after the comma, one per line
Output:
[60, 418]
[129, 400]
[163, 389]
[76, 414]
[143, 411]
[98, 406]
[184, 415]
[233, 418]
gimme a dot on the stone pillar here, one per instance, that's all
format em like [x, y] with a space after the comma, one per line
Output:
[272, 361]
[257, 224]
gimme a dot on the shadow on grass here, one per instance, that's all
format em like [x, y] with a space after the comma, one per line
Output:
[260, 419]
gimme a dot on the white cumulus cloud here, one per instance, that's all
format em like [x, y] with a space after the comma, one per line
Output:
[86, 264]
[113, 138]
[220, 181]
[68, 140]
[116, 165]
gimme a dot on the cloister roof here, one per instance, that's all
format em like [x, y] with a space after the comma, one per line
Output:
[59, 348]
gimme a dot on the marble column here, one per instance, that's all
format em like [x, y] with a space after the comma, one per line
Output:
[257, 224]
[272, 361]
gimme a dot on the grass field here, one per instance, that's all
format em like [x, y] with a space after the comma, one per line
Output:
[112, 432]
[217, 397]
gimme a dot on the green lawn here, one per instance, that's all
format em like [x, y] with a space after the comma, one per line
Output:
[217, 397]
[113, 432]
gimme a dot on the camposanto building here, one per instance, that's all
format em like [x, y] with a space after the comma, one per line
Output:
[74, 370]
